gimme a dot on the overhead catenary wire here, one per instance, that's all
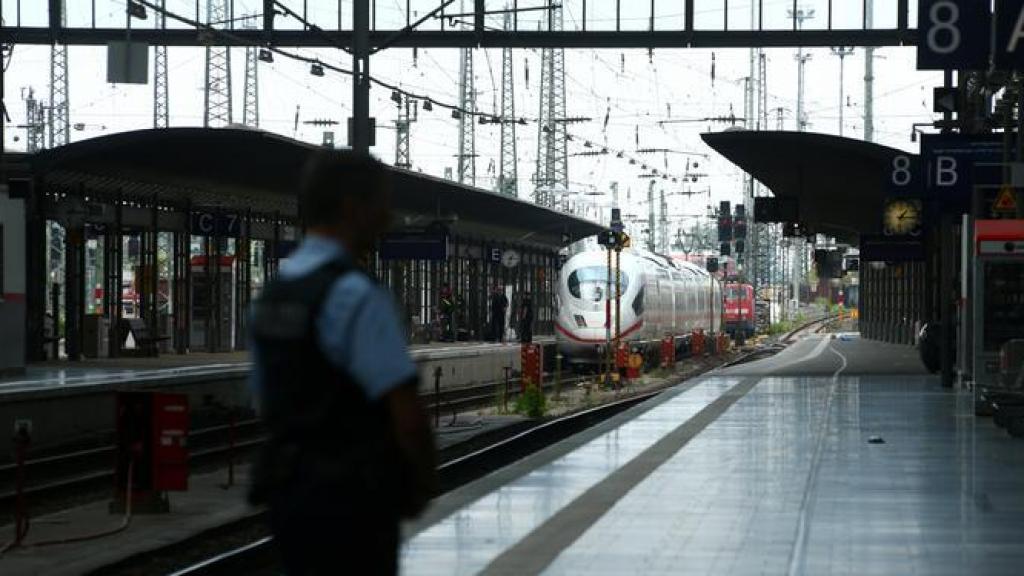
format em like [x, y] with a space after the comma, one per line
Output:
[619, 152]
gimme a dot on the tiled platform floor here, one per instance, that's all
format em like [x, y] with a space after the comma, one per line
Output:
[784, 481]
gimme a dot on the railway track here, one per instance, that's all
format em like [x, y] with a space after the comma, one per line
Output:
[63, 479]
[814, 326]
[258, 557]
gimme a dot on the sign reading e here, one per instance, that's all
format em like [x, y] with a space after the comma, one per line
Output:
[955, 35]
[1009, 35]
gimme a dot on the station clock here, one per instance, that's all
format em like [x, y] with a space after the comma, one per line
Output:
[902, 217]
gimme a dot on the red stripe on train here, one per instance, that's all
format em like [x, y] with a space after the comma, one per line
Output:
[572, 336]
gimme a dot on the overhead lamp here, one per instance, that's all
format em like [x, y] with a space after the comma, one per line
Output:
[632, 162]
[266, 56]
[545, 129]
[396, 97]
[484, 120]
[643, 166]
[316, 69]
[136, 10]
[696, 165]
[587, 144]
[675, 180]
[522, 121]
[694, 179]
[428, 105]
[456, 114]
[620, 155]
[604, 150]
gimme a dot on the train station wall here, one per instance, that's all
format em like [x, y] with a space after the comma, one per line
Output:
[12, 284]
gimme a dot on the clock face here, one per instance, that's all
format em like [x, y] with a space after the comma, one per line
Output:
[903, 217]
[510, 259]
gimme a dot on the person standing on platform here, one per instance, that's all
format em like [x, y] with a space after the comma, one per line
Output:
[446, 306]
[499, 308]
[526, 320]
[351, 451]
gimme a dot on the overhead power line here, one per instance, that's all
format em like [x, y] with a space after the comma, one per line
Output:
[318, 67]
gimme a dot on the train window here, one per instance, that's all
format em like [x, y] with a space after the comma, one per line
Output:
[638, 303]
[735, 293]
[591, 283]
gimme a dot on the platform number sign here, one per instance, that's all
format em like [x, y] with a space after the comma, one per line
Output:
[954, 34]
[205, 223]
[952, 164]
[1009, 35]
[905, 179]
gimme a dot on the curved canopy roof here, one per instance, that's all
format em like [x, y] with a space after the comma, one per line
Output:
[240, 169]
[839, 182]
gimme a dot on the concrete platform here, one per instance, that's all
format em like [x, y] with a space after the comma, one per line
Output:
[65, 375]
[764, 468]
[68, 402]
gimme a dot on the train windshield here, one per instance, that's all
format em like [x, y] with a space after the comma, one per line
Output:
[735, 293]
[591, 283]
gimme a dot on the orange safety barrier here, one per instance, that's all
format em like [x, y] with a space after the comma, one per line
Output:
[697, 343]
[668, 352]
[723, 344]
[636, 364]
[622, 356]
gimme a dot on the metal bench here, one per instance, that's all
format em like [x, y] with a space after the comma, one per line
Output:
[145, 340]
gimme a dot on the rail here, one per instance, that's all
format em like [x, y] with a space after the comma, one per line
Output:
[53, 478]
[771, 348]
[258, 556]
[817, 325]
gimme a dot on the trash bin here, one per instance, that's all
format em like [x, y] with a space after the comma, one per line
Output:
[95, 336]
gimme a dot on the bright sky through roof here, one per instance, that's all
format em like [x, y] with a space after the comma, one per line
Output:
[633, 88]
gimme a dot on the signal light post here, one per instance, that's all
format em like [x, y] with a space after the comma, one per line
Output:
[615, 240]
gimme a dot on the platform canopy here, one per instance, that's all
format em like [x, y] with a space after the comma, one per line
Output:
[840, 183]
[238, 169]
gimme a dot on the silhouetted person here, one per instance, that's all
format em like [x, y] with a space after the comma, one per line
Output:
[499, 308]
[446, 305]
[526, 320]
[351, 451]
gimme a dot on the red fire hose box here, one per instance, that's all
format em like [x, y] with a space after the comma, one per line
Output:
[152, 439]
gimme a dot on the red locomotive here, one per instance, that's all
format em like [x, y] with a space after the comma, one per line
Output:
[740, 310]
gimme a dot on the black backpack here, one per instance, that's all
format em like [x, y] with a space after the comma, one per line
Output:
[327, 440]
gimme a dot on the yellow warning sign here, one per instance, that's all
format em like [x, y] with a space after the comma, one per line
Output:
[1006, 201]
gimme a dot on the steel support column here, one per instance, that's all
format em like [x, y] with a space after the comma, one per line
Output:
[359, 137]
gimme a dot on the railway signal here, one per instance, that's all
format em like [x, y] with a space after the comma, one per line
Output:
[725, 232]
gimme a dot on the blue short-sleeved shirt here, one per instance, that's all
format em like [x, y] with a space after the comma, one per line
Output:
[373, 348]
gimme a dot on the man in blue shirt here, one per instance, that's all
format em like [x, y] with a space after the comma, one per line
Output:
[351, 451]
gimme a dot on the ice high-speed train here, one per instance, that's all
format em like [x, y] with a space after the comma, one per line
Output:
[659, 297]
